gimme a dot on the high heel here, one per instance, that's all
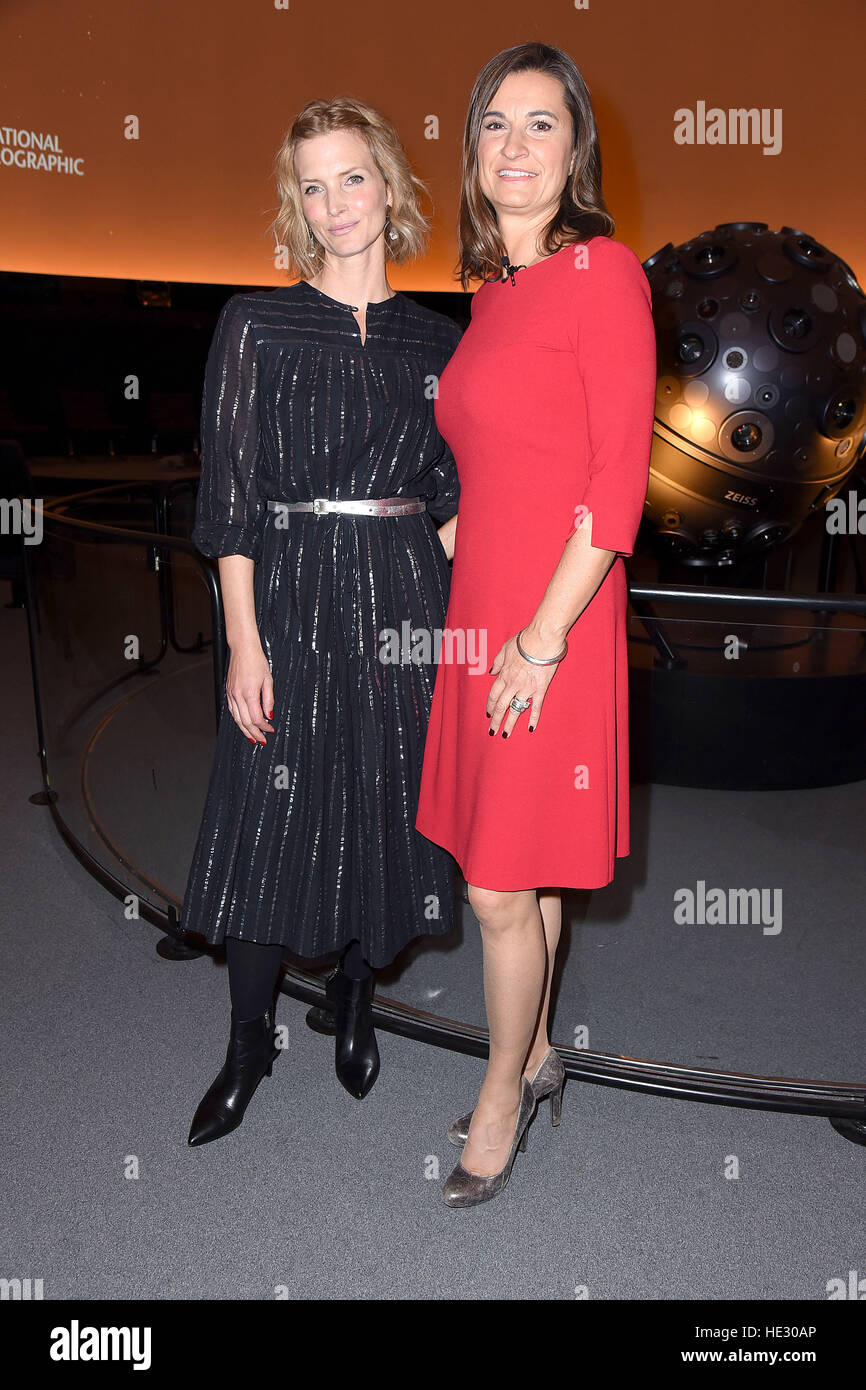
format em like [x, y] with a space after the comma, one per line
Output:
[250, 1057]
[549, 1080]
[464, 1189]
[356, 1052]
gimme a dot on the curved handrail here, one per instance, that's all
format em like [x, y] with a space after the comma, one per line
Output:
[838, 1100]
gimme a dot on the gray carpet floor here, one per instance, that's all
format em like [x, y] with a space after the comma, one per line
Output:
[108, 1048]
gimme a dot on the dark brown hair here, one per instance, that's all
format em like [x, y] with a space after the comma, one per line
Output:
[582, 212]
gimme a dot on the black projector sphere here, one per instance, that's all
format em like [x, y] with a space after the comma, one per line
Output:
[761, 397]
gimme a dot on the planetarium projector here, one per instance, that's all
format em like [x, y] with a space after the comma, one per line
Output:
[761, 397]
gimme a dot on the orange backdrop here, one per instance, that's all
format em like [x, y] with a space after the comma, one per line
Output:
[214, 84]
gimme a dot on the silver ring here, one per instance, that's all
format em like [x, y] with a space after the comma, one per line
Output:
[519, 705]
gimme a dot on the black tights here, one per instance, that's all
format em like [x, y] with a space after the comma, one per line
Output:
[253, 970]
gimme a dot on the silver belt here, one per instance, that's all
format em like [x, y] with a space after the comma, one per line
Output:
[372, 506]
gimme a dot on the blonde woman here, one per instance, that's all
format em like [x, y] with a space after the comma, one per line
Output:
[548, 406]
[327, 495]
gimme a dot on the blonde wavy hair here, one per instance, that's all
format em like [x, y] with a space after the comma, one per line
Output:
[290, 228]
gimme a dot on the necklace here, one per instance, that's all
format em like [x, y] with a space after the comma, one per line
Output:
[510, 270]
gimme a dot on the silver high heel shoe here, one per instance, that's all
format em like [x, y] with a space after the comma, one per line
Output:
[464, 1189]
[549, 1080]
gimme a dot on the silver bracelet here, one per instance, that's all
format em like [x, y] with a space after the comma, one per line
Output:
[538, 660]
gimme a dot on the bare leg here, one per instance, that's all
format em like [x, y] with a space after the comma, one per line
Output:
[550, 903]
[515, 955]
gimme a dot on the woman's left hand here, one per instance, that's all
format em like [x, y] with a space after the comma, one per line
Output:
[514, 676]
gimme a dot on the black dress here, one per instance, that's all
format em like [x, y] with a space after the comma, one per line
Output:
[310, 840]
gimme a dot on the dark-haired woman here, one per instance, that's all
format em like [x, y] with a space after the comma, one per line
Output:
[319, 448]
[547, 405]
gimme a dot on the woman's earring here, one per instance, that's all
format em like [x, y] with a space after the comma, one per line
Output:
[390, 231]
[312, 238]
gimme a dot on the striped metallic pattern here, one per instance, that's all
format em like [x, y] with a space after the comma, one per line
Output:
[310, 840]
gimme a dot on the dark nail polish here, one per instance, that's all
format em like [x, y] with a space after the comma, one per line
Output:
[532, 728]
[491, 732]
[504, 735]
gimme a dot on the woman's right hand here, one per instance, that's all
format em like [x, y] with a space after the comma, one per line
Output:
[250, 689]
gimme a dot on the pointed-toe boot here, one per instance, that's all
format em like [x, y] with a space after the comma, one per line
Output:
[356, 1054]
[250, 1056]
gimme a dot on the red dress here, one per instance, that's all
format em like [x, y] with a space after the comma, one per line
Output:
[547, 405]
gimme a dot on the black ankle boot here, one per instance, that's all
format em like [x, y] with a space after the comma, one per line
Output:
[251, 1054]
[321, 1017]
[356, 1055]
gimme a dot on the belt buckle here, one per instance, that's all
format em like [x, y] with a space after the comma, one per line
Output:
[320, 505]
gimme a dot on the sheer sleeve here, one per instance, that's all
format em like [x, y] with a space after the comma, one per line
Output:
[230, 513]
[616, 351]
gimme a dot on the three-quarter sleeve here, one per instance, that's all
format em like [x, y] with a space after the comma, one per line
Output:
[616, 350]
[229, 518]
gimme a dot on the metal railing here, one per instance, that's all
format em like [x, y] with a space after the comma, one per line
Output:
[844, 1103]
